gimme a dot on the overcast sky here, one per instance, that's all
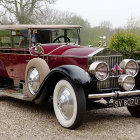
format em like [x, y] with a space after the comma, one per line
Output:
[96, 11]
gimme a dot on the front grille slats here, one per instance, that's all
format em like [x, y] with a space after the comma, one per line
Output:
[111, 82]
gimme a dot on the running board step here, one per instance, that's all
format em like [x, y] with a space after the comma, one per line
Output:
[14, 94]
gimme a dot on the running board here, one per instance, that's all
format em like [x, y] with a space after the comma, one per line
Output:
[115, 94]
[14, 94]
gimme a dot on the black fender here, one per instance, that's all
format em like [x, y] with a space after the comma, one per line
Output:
[78, 76]
[137, 78]
[72, 72]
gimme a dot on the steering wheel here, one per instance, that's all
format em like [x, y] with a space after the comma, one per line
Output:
[58, 39]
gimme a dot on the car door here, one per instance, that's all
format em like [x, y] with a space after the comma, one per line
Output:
[5, 51]
[20, 53]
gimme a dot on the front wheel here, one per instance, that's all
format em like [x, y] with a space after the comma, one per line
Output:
[69, 104]
[134, 111]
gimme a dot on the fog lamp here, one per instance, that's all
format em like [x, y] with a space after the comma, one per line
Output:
[126, 82]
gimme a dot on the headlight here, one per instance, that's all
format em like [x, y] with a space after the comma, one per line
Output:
[130, 67]
[126, 82]
[100, 70]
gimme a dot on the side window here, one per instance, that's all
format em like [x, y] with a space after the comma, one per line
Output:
[20, 38]
[40, 36]
[43, 36]
[5, 39]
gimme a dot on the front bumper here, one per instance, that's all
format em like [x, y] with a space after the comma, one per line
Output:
[115, 94]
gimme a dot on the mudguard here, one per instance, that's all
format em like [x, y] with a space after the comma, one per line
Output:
[77, 75]
[137, 78]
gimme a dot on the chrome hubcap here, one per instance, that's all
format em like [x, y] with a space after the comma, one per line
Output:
[33, 80]
[65, 103]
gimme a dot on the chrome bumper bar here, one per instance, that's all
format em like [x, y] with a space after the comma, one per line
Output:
[115, 94]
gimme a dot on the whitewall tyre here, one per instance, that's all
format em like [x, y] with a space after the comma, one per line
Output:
[36, 71]
[69, 104]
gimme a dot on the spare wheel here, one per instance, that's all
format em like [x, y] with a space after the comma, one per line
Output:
[36, 70]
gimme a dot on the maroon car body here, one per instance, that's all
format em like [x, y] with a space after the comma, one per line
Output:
[39, 62]
[14, 61]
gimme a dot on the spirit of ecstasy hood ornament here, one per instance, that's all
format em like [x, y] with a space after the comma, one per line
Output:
[104, 42]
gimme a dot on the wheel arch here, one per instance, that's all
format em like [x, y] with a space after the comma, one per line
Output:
[77, 75]
[137, 78]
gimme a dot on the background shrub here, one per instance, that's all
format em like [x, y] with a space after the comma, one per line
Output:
[126, 43]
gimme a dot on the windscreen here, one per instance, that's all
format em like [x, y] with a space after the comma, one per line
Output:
[65, 36]
[44, 36]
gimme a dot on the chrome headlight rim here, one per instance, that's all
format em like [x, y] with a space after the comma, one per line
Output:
[123, 65]
[122, 80]
[93, 69]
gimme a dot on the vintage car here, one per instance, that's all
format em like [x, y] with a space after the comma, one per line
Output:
[42, 62]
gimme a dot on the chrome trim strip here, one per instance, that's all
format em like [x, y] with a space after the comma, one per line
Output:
[70, 56]
[115, 94]
[95, 52]
[56, 49]
[48, 44]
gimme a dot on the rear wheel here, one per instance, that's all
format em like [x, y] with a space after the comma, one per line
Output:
[69, 104]
[134, 111]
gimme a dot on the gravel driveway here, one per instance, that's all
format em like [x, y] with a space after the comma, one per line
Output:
[21, 120]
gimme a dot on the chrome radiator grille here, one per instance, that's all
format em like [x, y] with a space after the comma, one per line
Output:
[112, 81]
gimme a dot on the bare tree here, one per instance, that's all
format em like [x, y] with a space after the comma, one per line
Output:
[132, 24]
[106, 24]
[53, 16]
[47, 16]
[5, 21]
[24, 10]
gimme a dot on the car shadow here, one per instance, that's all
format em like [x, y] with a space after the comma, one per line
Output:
[102, 118]
[93, 118]
[47, 106]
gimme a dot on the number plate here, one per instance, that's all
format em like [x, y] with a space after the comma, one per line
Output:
[126, 102]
